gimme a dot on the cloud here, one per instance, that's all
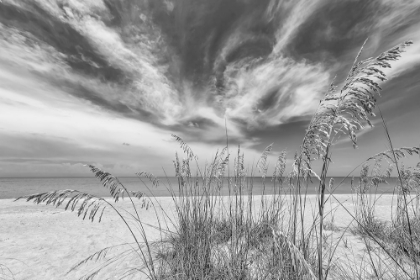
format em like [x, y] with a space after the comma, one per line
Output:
[393, 24]
[276, 91]
[101, 72]
[296, 14]
[82, 48]
[76, 46]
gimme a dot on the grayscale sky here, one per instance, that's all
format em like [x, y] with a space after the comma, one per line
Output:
[108, 81]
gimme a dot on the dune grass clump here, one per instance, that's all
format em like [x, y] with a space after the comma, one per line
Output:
[401, 234]
[251, 236]
[397, 239]
[220, 237]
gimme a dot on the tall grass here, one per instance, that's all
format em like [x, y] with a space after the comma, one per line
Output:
[252, 236]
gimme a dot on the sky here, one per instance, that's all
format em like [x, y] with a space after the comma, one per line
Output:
[106, 82]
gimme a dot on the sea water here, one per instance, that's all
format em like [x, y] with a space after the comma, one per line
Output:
[16, 187]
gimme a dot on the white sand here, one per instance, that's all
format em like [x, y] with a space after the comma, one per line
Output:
[44, 242]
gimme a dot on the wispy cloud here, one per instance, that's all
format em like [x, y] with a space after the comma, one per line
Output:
[276, 91]
[109, 72]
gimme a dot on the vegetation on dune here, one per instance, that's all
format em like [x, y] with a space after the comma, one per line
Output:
[215, 237]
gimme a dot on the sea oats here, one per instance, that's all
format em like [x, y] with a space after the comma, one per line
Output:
[262, 162]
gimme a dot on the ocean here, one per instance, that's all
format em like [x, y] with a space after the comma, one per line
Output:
[15, 187]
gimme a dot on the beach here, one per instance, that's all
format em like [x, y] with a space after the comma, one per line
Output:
[44, 242]
[209, 140]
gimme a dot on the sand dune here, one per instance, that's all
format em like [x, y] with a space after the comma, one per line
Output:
[44, 242]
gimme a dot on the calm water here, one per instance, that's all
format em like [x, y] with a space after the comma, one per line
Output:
[15, 187]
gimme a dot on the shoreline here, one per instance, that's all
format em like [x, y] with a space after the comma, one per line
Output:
[267, 193]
